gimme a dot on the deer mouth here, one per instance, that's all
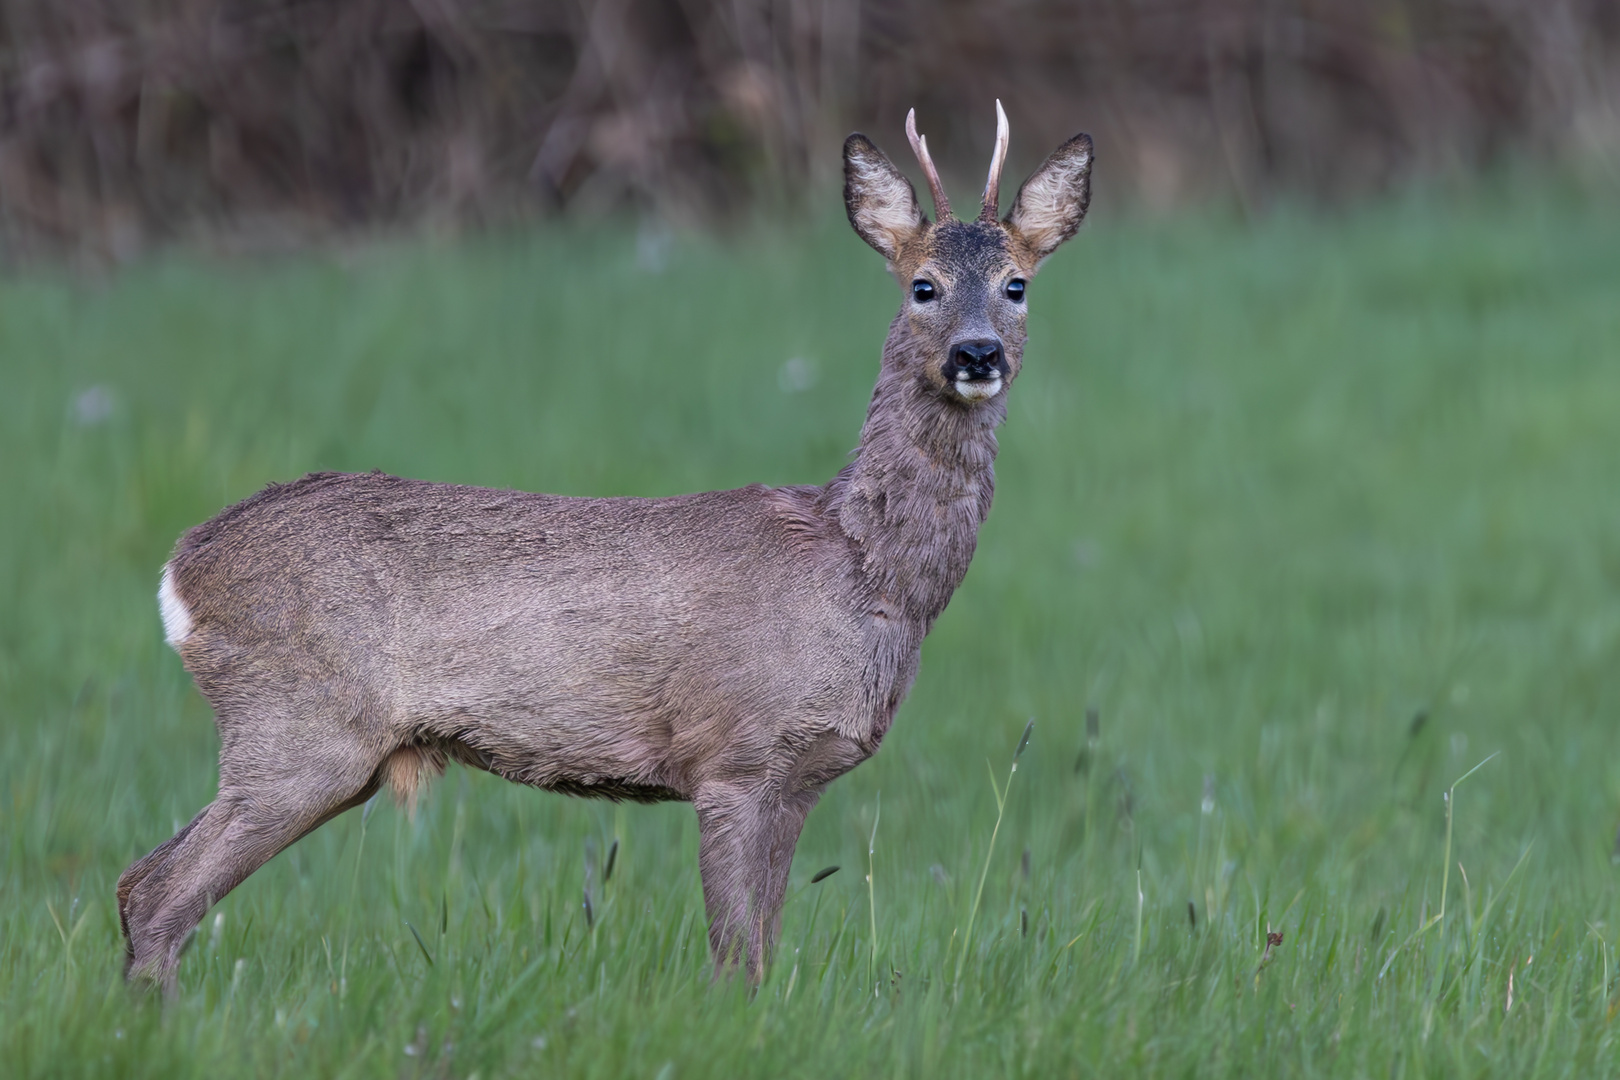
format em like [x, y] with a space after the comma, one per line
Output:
[970, 389]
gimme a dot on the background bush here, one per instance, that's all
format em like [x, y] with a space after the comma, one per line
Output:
[123, 122]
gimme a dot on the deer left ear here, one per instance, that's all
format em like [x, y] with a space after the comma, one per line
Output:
[1053, 201]
[881, 203]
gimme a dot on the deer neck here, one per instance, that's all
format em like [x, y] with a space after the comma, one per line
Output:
[919, 487]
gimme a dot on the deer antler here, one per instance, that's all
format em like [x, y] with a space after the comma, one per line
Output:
[919, 146]
[992, 186]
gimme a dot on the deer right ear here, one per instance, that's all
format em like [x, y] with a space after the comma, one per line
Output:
[1053, 201]
[881, 203]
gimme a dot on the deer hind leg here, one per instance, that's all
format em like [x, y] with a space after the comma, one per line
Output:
[745, 848]
[138, 871]
[260, 811]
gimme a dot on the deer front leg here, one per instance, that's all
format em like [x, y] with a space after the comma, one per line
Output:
[747, 833]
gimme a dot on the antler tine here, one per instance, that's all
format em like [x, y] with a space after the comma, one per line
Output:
[919, 146]
[992, 186]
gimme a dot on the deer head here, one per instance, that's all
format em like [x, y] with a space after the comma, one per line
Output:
[965, 281]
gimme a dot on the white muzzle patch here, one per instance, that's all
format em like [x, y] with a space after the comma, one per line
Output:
[977, 389]
[176, 616]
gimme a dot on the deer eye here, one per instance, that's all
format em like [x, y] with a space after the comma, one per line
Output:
[1015, 290]
[922, 291]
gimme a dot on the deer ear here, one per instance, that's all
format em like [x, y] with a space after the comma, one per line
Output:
[881, 204]
[1053, 201]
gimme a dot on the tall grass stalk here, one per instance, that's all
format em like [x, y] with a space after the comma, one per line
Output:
[1445, 869]
[1136, 949]
[871, 891]
[354, 892]
[984, 872]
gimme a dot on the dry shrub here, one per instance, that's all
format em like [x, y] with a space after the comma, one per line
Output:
[125, 121]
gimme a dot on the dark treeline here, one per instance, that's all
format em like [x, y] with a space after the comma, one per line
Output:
[127, 121]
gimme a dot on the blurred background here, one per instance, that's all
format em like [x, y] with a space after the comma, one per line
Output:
[1305, 508]
[129, 122]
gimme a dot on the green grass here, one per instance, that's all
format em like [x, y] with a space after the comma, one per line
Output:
[1267, 494]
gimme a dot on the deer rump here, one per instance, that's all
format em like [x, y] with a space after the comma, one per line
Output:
[625, 648]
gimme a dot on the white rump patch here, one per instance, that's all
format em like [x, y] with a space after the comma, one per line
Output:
[176, 616]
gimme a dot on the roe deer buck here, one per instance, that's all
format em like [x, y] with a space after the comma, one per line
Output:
[735, 649]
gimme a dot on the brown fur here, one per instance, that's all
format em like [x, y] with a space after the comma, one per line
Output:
[735, 649]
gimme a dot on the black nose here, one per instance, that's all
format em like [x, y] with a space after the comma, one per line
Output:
[976, 360]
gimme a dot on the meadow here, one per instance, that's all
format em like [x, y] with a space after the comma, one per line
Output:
[1298, 521]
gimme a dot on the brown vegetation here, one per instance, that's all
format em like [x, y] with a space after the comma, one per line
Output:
[123, 122]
